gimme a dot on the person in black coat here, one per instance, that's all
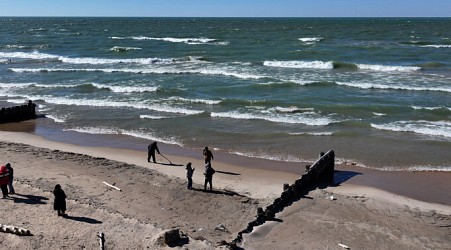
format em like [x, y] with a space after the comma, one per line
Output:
[59, 203]
[151, 151]
[209, 171]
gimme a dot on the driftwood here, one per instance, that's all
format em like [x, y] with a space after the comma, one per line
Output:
[343, 246]
[14, 230]
[101, 240]
[110, 185]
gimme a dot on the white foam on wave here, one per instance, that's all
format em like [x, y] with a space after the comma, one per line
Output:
[28, 55]
[431, 128]
[419, 169]
[191, 41]
[118, 131]
[123, 49]
[56, 119]
[438, 46]
[291, 109]
[313, 133]
[312, 120]
[117, 104]
[152, 117]
[203, 71]
[204, 101]
[300, 64]
[310, 40]
[117, 89]
[375, 67]
[35, 55]
[270, 157]
[364, 85]
[430, 108]
[126, 89]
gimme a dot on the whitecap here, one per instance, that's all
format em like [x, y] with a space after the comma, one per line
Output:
[437, 46]
[376, 67]
[126, 89]
[432, 128]
[312, 120]
[300, 64]
[123, 49]
[310, 40]
[364, 85]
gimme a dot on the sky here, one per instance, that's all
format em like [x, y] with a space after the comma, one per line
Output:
[228, 8]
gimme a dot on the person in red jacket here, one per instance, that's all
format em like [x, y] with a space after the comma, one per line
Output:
[4, 181]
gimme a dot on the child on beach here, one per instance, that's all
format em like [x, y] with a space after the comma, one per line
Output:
[189, 175]
[11, 176]
[59, 203]
[4, 181]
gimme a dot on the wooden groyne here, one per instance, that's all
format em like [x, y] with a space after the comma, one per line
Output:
[320, 174]
[18, 113]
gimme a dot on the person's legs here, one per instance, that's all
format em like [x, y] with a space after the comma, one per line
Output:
[4, 191]
[154, 159]
[190, 183]
[10, 186]
[211, 185]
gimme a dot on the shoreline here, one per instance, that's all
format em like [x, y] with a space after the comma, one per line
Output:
[242, 174]
[154, 199]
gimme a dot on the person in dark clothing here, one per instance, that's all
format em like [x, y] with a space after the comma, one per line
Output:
[207, 155]
[189, 175]
[59, 203]
[4, 181]
[11, 176]
[209, 171]
[151, 151]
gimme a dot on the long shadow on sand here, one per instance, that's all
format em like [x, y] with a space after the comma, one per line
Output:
[83, 219]
[224, 172]
[223, 192]
[169, 164]
[343, 176]
[29, 199]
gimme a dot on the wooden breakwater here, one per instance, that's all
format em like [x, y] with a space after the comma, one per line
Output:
[18, 113]
[320, 174]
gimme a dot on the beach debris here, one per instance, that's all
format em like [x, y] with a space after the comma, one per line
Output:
[171, 237]
[343, 246]
[332, 198]
[111, 185]
[221, 227]
[14, 230]
[101, 240]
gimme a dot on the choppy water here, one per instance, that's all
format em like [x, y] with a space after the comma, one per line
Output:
[377, 91]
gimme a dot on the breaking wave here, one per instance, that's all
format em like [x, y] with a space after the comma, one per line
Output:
[336, 65]
[431, 128]
[191, 41]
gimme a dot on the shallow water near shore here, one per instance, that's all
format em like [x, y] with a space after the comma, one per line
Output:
[376, 90]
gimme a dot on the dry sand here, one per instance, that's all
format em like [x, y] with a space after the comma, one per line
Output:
[154, 198]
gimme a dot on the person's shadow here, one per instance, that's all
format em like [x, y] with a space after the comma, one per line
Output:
[29, 199]
[83, 219]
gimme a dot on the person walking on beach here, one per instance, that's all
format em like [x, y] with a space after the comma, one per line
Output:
[4, 181]
[189, 175]
[11, 176]
[59, 204]
[209, 171]
[208, 155]
[151, 151]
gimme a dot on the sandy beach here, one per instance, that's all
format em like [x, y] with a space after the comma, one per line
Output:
[369, 210]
